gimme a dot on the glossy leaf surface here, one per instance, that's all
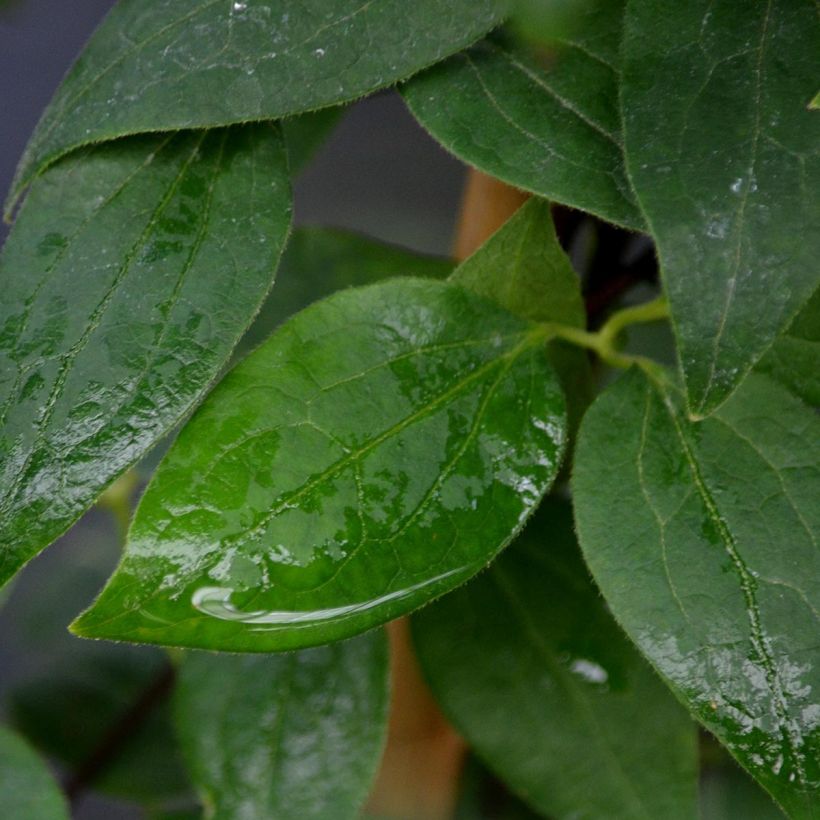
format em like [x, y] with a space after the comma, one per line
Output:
[724, 156]
[377, 451]
[291, 735]
[27, 789]
[320, 261]
[706, 551]
[534, 673]
[160, 65]
[130, 274]
[525, 270]
[555, 132]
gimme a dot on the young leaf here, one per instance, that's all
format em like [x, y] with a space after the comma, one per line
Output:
[554, 131]
[703, 539]
[376, 452]
[525, 270]
[725, 160]
[295, 735]
[130, 274]
[320, 261]
[27, 790]
[794, 358]
[155, 65]
[533, 631]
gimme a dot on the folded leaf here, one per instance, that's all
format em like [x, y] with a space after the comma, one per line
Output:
[161, 65]
[523, 268]
[130, 274]
[377, 451]
[27, 790]
[703, 539]
[725, 159]
[296, 735]
[553, 131]
[534, 673]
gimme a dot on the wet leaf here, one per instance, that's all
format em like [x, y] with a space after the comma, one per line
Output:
[725, 159]
[27, 789]
[132, 271]
[703, 539]
[530, 667]
[554, 131]
[290, 735]
[161, 65]
[525, 270]
[377, 451]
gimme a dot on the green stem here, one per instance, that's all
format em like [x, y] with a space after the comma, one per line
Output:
[604, 341]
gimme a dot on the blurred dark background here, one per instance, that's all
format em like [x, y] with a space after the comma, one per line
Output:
[378, 174]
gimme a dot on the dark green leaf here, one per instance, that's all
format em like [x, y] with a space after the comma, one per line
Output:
[320, 261]
[703, 539]
[159, 65]
[525, 270]
[27, 790]
[376, 452]
[132, 271]
[305, 134]
[297, 735]
[794, 358]
[539, 679]
[482, 797]
[553, 131]
[725, 159]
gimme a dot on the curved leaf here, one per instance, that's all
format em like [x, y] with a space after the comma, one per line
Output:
[725, 159]
[703, 539]
[532, 631]
[27, 789]
[163, 65]
[295, 735]
[132, 271]
[553, 131]
[376, 452]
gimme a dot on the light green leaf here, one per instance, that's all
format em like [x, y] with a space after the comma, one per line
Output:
[794, 358]
[376, 452]
[553, 131]
[534, 673]
[703, 539]
[160, 65]
[305, 134]
[525, 270]
[292, 735]
[132, 271]
[725, 160]
[320, 261]
[27, 790]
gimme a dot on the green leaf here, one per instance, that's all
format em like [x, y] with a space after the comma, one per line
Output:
[553, 131]
[305, 134]
[525, 270]
[294, 735]
[532, 631]
[728, 793]
[703, 539]
[320, 261]
[725, 160]
[132, 271]
[376, 452]
[27, 790]
[482, 797]
[155, 65]
[794, 358]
